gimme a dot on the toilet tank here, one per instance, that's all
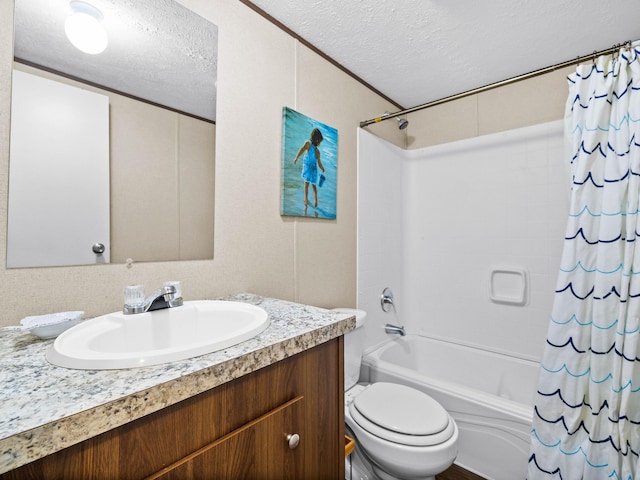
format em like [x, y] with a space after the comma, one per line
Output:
[353, 347]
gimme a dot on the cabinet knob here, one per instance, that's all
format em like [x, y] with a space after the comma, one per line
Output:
[294, 440]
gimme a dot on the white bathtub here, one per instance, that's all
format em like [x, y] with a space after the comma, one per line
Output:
[489, 395]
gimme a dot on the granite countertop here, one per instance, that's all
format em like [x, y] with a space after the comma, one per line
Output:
[45, 408]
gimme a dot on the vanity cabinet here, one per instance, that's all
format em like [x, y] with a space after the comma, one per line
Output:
[241, 429]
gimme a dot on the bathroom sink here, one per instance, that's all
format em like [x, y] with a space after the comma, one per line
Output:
[116, 340]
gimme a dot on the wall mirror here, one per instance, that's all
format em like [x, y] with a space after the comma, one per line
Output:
[158, 76]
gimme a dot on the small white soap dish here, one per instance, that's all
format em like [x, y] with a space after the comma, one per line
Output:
[50, 325]
[508, 285]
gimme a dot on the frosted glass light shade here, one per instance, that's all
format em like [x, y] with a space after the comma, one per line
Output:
[84, 28]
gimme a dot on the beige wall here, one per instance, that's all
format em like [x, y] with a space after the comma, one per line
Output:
[261, 69]
[522, 104]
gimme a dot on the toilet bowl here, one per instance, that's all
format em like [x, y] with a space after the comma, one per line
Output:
[400, 432]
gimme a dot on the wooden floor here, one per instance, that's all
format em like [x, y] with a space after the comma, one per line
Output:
[457, 473]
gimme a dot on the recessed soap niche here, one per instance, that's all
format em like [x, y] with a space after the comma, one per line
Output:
[509, 285]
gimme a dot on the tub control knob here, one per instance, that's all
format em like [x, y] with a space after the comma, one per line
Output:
[386, 300]
[294, 440]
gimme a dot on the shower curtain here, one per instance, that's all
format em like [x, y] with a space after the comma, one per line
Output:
[587, 409]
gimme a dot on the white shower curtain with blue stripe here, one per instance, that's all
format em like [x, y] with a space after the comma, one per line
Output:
[587, 408]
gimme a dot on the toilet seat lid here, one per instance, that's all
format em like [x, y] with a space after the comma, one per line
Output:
[401, 409]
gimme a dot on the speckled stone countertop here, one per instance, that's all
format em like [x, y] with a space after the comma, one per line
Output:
[45, 408]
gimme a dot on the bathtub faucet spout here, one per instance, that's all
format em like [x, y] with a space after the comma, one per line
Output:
[394, 330]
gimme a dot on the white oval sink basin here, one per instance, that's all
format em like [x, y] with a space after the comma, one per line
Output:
[125, 341]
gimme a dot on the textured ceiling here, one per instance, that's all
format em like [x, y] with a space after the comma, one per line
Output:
[412, 51]
[417, 51]
[158, 50]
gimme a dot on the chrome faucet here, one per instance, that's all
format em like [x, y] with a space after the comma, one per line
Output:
[166, 297]
[394, 330]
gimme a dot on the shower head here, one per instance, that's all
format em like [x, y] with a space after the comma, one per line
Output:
[402, 122]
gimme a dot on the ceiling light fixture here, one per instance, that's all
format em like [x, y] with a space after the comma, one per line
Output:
[84, 28]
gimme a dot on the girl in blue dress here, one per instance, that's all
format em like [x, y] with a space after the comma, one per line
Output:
[311, 164]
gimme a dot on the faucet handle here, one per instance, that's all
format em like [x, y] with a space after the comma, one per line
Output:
[386, 300]
[134, 299]
[134, 295]
[173, 293]
[173, 287]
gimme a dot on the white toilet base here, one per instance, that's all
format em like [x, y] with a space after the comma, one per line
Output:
[381, 475]
[355, 468]
[359, 468]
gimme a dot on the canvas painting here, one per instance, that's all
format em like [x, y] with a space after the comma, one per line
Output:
[309, 166]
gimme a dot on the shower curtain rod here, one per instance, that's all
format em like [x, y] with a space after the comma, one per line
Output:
[491, 86]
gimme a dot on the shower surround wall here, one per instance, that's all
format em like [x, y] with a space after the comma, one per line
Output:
[434, 223]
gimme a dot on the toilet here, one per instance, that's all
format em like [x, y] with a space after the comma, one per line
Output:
[400, 432]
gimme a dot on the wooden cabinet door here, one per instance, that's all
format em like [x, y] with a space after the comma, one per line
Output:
[259, 450]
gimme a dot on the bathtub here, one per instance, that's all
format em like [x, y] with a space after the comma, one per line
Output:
[489, 395]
